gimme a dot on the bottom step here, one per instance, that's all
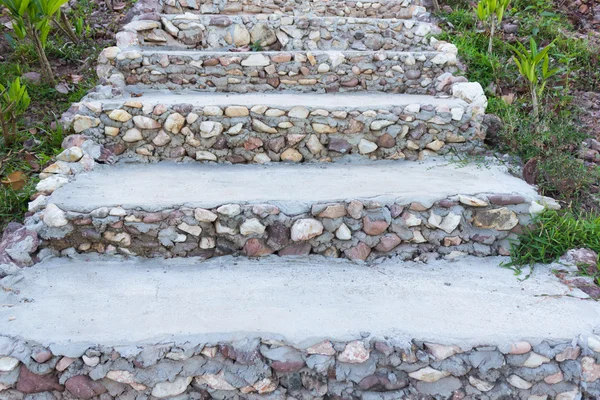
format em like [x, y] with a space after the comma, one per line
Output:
[301, 327]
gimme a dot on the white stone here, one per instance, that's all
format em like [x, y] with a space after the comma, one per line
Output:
[54, 216]
[535, 360]
[305, 229]
[145, 122]
[262, 127]
[314, 145]
[481, 385]
[237, 111]
[119, 115]
[193, 230]
[90, 361]
[448, 223]
[366, 146]
[261, 158]
[236, 129]
[72, 154]
[380, 124]
[241, 36]
[298, 112]
[174, 123]
[457, 113]
[203, 215]
[37, 204]
[252, 226]
[593, 343]
[132, 135]
[471, 92]
[8, 364]
[323, 68]
[212, 111]
[441, 352]
[536, 208]
[210, 129]
[51, 183]
[207, 243]
[428, 374]
[162, 139]
[142, 25]
[274, 112]
[216, 382]
[343, 232]
[169, 389]
[230, 210]
[83, 122]
[203, 155]
[519, 382]
[336, 59]
[472, 201]
[256, 60]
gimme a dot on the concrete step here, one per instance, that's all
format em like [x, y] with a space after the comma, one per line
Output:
[307, 328]
[261, 128]
[318, 71]
[353, 209]
[277, 32]
[319, 8]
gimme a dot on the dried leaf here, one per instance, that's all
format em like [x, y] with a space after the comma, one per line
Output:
[32, 161]
[76, 78]
[15, 180]
[509, 98]
[62, 88]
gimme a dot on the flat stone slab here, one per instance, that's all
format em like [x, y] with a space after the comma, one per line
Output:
[69, 304]
[359, 101]
[293, 188]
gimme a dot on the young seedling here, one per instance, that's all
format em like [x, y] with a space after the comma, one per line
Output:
[533, 64]
[14, 100]
[491, 13]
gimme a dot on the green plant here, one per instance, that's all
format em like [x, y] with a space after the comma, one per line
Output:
[34, 18]
[14, 100]
[529, 62]
[491, 13]
[552, 234]
[256, 46]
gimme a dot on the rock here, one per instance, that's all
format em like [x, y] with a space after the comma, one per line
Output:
[428, 374]
[169, 389]
[472, 93]
[570, 353]
[29, 382]
[72, 154]
[354, 353]
[237, 111]
[193, 230]
[296, 249]
[305, 229]
[519, 382]
[388, 242]
[360, 252]
[366, 146]
[292, 155]
[256, 60]
[501, 219]
[262, 34]
[589, 369]
[229, 210]
[339, 145]
[441, 352]
[41, 355]
[252, 226]
[314, 145]
[448, 223]
[535, 360]
[585, 258]
[205, 156]
[64, 363]
[472, 201]
[7, 364]
[481, 385]
[17, 245]
[83, 387]
[174, 123]
[324, 348]
[241, 36]
[284, 359]
[216, 382]
[54, 216]
[203, 215]
[146, 122]
[298, 112]
[374, 225]
[386, 141]
[125, 377]
[323, 128]
[343, 232]
[32, 77]
[161, 139]
[119, 115]
[82, 123]
[520, 348]
[260, 126]
[132, 135]
[331, 211]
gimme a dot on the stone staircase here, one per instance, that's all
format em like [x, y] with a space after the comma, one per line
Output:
[255, 203]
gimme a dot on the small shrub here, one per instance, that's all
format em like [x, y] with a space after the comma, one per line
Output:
[14, 100]
[491, 13]
[552, 234]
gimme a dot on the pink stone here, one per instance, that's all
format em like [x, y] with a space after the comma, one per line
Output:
[374, 227]
[388, 242]
[359, 252]
[83, 387]
[256, 248]
[520, 348]
[554, 378]
[590, 371]
[354, 353]
[452, 241]
[32, 383]
[570, 353]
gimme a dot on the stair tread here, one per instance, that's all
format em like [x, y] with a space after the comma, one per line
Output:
[73, 303]
[293, 188]
[360, 100]
[148, 50]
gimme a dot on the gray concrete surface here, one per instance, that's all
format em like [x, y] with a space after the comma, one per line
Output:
[294, 188]
[360, 101]
[72, 303]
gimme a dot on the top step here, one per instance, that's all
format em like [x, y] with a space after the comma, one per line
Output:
[405, 9]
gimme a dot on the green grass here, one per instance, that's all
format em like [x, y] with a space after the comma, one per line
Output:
[552, 234]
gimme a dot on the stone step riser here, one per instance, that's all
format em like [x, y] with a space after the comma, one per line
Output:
[377, 9]
[255, 367]
[358, 230]
[277, 32]
[391, 72]
[239, 134]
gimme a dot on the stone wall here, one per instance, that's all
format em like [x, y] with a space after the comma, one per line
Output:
[358, 230]
[387, 9]
[257, 369]
[275, 32]
[317, 72]
[262, 134]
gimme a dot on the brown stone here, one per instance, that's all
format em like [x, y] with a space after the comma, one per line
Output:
[505, 199]
[32, 383]
[281, 58]
[570, 353]
[279, 235]
[333, 211]
[296, 249]
[386, 141]
[359, 252]
[354, 126]
[253, 143]
[452, 241]
[276, 144]
[211, 62]
[339, 146]
[273, 81]
[236, 159]
[256, 248]
[352, 82]
[373, 226]
[388, 242]
[83, 387]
